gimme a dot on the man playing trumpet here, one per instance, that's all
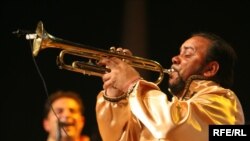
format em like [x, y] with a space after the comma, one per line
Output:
[132, 109]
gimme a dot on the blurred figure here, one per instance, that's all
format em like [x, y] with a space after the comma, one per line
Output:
[132, 109]
[64, 117]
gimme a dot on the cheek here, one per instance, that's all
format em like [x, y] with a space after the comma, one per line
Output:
[50, 124]
[189, 68]
[80, 122]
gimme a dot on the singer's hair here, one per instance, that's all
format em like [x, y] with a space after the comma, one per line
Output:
[63, 94]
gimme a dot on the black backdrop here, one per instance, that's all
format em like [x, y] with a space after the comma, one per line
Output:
[100, 24]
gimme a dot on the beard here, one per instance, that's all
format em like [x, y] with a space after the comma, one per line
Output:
[177, 87]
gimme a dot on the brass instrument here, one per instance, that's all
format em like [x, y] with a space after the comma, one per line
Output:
[42, 40]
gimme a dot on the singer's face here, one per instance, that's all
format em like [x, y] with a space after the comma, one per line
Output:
[190, 61]
[69, 114]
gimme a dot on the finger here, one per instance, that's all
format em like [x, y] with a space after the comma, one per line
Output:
[108, 84]
[105, 77]
[108, 62]
[105, 86]
[102, 61]
[115, 61]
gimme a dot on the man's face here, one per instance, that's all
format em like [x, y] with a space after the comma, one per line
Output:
[68, 112]
[190, 61]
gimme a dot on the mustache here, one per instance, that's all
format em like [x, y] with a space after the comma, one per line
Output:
[174, 69]
[62, 123]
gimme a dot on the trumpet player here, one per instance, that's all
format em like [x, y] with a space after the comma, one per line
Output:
[130, 108]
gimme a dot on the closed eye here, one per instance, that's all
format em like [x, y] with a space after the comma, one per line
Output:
[187, 51]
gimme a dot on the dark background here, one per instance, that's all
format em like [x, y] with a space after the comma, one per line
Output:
[163, 26]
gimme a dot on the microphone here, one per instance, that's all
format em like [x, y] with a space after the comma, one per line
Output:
[21, 32]
[29, 34]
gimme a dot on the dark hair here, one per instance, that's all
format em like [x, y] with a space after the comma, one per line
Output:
[61, 94]
[224, 54]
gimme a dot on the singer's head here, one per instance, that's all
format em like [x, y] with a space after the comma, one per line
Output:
[66, 107]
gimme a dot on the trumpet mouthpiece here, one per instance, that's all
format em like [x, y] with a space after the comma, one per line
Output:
[168, 71]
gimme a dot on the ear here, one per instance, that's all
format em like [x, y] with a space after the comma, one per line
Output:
[46, 125]
[211, 69]
[82, 122]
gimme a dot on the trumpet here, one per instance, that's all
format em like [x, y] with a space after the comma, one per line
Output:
[42, 40]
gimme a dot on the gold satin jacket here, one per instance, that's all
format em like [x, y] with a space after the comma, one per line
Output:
[148, 115]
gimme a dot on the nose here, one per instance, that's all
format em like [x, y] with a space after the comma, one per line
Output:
[176, 59]
[65, 114]
[65, 118]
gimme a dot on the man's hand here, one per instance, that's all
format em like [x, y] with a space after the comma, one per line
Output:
[121, 74]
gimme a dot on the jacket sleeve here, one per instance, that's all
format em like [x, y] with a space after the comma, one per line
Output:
[112, 117]
[146, 105]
